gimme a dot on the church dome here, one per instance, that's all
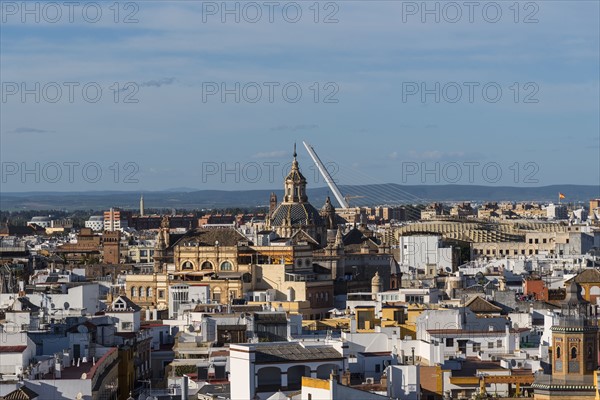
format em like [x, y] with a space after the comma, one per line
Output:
[296, 214]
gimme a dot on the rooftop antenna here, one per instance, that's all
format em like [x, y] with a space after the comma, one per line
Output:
[336, 192]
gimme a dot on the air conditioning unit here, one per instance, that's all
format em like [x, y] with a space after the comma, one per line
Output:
[370, 381]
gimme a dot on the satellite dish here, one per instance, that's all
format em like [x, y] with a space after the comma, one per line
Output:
[52, 305]
[67, 305]
[191, 328]
[83, 376]
[79, 395]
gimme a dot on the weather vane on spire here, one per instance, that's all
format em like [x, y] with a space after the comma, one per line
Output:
[295, 150]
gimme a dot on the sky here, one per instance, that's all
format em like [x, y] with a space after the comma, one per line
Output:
[156, 95]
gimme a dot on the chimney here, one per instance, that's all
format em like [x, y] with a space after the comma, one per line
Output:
[184, 387]
[334, 375]
[346, 378]
[383, 381]
[57, 369]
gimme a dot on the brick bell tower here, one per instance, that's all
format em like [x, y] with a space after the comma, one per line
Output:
[111, 247]
[575, 338]
[574, 351]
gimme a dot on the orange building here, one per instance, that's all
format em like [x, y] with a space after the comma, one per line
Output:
[536, 288]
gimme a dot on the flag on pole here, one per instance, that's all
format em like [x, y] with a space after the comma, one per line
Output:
[561, 196]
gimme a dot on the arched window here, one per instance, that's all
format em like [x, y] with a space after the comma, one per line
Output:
[226, 266]
[140, 291]
[148, 292]
[557, 352]
[133, 292]
[187, 265]
[573, 353]
[207, 265]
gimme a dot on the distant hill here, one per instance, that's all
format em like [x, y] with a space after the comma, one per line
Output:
[368, 195]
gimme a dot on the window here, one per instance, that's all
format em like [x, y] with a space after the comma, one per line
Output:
[161, 294]
[187, 265]
[490, 345]
[449, 342]
[149, 292]
[573, 353]
[377, 368]
[217, 295]
[226, 266]
[133, 292]
[477, 347]
[207, 265]
[557, 352]
[126, 325]
[140, 291]
[499, 343]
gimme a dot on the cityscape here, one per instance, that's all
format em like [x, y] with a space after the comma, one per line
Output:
[299, 200]
[435, 301]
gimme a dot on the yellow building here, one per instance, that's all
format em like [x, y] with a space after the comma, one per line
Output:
[148, 290]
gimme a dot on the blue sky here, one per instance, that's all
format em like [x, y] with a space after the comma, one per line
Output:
[368, 60]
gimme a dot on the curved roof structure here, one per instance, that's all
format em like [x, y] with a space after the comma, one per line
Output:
[296, 214]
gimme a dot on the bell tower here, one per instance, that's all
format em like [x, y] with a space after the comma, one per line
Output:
[272, 203]
[574, 338]
[574, 351]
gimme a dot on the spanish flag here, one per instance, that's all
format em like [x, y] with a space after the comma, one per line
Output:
[561, 196]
